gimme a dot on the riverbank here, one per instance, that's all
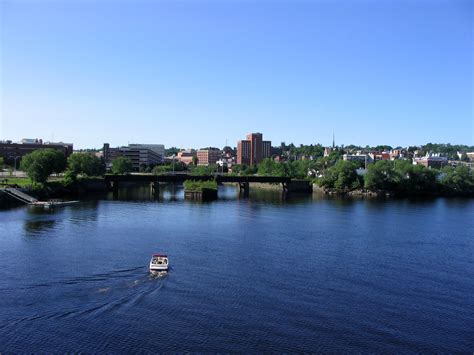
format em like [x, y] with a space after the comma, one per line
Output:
[57, 189]
[85, 188]
[364, 193]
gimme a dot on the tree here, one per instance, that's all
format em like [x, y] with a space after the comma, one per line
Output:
[2, 162]
[121, 165]
[381, 176]
[458, 180]
[86, 164]
[195, 160]
[342, 177]
[41, 163]
[267, 167]
[162, 169]
[205, 170]
[415, 178]
[172, 151]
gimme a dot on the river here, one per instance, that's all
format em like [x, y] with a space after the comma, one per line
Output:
[263, 273]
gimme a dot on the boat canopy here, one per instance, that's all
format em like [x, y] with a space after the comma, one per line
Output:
[160, 255]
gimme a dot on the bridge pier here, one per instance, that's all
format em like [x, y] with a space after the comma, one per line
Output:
[155, 189]
[288, 184]
[113, 186]
[244, 187]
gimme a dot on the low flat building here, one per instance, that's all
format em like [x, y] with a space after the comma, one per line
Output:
[186, 156]
[379, 156]
[12, 152]
[470, 156]
[363, 158]
[139, 154]
[159, 149]
[431, 161]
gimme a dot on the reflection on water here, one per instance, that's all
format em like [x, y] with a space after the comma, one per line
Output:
[171, 192]
[37, 226]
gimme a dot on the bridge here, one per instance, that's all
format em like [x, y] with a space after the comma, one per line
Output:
[113, 181]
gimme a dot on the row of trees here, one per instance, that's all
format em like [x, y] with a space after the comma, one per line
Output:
[399, 176]
[40, 164]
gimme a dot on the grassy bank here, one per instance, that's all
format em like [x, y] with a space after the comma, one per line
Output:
[19, 181]
[58, 187]
[199, 186]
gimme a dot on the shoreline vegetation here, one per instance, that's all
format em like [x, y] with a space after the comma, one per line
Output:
[59, 187]
[51, 175]
[200, 190]
[199, 186]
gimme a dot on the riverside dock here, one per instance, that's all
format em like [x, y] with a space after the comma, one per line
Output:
[30, 200]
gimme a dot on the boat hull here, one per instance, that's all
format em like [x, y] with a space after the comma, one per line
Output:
[158, 267]
[159, 262]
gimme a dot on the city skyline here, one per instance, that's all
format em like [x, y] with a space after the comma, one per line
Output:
[196, 74]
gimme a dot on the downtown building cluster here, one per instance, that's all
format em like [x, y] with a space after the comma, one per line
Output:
[250, 151]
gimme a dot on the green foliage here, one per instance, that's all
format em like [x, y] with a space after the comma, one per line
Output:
[382, 148]
[193, 185]
[300, 169]
[342, 177]
[172, 151]
[381, 176]
[162, 169]
[247, 170]
[41, 163]
[168, 168]
[204, 170]
[402, 177]
[236, 169]
[464, 157]
[85, 164]
[20, 181]
[121, 165]
[415, 179]
[459, 180]
[307, 150]
[269, 167]
[69, 178]
[449, 150]
[2, 162]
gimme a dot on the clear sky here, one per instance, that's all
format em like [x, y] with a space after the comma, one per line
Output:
[195, 73]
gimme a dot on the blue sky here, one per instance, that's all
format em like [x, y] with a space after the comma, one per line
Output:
[195, 73]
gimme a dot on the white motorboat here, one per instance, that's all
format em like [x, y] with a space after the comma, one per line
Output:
[159, 262]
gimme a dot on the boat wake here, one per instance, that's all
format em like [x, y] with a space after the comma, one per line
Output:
[112, 295]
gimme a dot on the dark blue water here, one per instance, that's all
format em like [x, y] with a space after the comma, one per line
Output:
[263, 273]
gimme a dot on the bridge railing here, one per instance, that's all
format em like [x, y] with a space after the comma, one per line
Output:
[184, 177]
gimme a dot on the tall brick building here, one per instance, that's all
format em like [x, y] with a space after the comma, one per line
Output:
[252, 150]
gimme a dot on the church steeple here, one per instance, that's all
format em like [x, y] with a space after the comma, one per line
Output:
[333, 141]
